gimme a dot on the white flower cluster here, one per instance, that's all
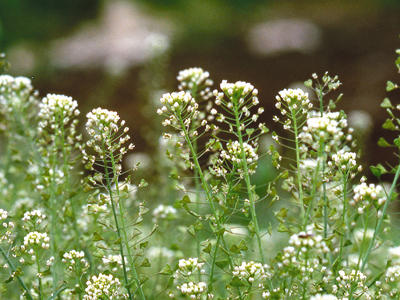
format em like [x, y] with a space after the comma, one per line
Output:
[164, 212]
[195, 79]
[8, 226]
[393, 274]
[251, 271]
[103, 127]
[73, 257]
[292, 100]
[233, 153]
[187, 267]
[113, 262]
[344, 160]
[192, 289]
[35, 239]
[14, 90]
[309, 240]
[56, 110]
[305, 254]
[354, 281]
[35, 217]
[329, 128]
[3, 214]
[323, 297]
[368, 194]
[103, 287]
[178, 106]
[237, 89]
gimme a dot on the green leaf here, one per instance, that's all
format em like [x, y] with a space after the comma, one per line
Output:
[383, 143]
[185, 199]
[389, 125]
[143, 245]
[378, 170]
[97, 237]
[249, 131]
[191, 230]
[236, 282]
[386, 103]
[143, 183]
[396, 141]
[222, 263]
[308, 83]
[207, 249]
[390, 86]
[146, 263]
[166, 270]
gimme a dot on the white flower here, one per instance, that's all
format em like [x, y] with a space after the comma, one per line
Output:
[103, 286]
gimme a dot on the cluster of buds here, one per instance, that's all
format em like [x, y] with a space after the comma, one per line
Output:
[197, 81]
[35, 240]
[113, 262]
[345, 161]
[33, 219]
[6, 227]
[368, 194]
[353, 280]
[15, 93]
[194, 290]
[107, 136]
[103, 286]
[251, 271]
[56, 111]
[328, 128]
[187, 267]
[238, 99]
[291, 103]
[305, 254]
[75, 260]
[178, 107]
[234, 155]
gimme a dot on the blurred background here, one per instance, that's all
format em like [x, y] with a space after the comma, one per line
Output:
[122, 54]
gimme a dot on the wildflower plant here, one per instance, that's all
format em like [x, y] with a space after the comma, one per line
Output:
[70, 233]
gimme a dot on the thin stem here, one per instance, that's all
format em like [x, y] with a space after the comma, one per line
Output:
[299, 184]
[250, 190]
[380, 221]
[13, 270]
[204, 184]
[39, 276]
[344, 217]
[214, 257]
[125, 236]
[118, 229]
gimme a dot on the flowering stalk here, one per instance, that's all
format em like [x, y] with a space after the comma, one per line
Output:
[236, 92]
[103, 126]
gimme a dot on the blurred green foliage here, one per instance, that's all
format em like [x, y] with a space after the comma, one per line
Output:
[41, 20]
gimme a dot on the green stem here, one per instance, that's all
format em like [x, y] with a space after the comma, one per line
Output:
[13, 270]
[214, 257]
[203, 183]
[39, 277]
[325, 199]
[123, 229]
[121, 249]
[380, 221]
[344, 218]
[299, 180]
[250, 190]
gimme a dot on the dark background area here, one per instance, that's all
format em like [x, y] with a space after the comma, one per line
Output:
[96, 51]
